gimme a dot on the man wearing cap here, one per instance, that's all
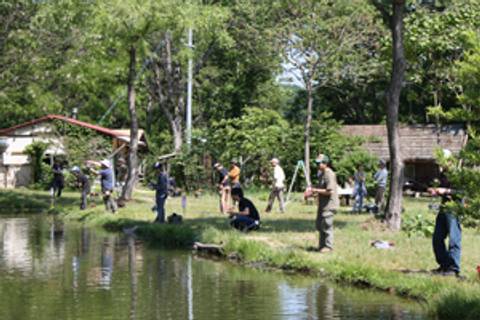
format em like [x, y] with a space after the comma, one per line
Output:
[277, 187]
[106, 181]
[223, 187]
[380, 177]
[161, 192]
[83, 184]
[328, 202]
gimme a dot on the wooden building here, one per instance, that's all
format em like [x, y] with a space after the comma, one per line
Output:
[15, 166]
[418, 146]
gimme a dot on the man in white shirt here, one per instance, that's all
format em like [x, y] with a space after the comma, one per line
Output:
[277, 187]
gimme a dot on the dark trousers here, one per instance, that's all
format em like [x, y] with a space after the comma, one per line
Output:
[160, 199]
[243, 223]
[83, 198]
[110, 203]
[447, 224]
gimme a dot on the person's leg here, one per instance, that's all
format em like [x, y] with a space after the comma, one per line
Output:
[83, 204]
[243, 223]
[271, 199]
[328, 231]
[113, 203]
[360, 202]
[106, 196]
[160, 208]
[280, 200]
[454, 242]
[438, 241]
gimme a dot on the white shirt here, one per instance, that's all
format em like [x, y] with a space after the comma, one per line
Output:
[278, 176]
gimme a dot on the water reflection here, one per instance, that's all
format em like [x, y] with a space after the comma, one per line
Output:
[64, 272]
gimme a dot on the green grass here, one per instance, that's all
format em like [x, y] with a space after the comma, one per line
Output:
[284, 240]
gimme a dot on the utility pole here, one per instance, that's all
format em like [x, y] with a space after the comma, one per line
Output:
[189, 90]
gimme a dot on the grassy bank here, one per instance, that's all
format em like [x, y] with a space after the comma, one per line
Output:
[285, 239]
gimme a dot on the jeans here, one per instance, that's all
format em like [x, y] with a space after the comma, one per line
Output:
[276, 193]
[244, 223]
[359, 193]
[447, 224]
[160, 199]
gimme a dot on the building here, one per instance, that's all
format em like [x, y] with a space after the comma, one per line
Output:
[418, 146]
[15, 166]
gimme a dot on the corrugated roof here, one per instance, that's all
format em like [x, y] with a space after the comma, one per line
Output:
[418, 142]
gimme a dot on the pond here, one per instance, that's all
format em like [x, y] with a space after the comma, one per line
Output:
[53, 271]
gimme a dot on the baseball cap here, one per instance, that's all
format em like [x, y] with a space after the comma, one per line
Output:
[322, 158]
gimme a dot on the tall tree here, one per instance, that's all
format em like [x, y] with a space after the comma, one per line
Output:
[317, 37]
[392, 12]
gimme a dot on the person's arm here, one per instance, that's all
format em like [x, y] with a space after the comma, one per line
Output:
[441, 191]
[244, 212]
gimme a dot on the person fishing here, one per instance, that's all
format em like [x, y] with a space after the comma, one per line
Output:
[84, 184]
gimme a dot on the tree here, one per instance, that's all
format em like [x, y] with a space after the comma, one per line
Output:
[392, 12]
[316, 38]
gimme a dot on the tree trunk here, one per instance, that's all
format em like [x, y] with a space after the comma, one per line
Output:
[132, 161]
[306, 132]
[394, 208]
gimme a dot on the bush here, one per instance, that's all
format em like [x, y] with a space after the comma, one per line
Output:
[417, 225]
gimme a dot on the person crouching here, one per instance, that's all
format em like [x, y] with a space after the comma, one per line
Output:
[247, 218]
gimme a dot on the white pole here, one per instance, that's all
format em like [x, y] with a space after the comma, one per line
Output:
[189, 90]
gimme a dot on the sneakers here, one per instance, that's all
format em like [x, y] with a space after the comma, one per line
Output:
[446, 272]
[325, 250]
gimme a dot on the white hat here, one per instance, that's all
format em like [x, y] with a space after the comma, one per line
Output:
[75, 169]
[275, 160]
[105, 163]
[447, 153]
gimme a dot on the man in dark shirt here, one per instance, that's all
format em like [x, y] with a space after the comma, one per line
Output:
[58, 179]
[161, 192]
[247, 218]
[223, 187]
[84, 185]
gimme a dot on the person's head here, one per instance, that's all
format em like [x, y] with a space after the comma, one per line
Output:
[237, 194]
[75, 170]
[382, 164]
[105, 164]
[322, 161]
[274, 162]
[360, 167]
[159, 166]
[218, 166]
[234, 162]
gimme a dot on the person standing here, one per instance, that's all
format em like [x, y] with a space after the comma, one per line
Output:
[247, 217]
[447, 225]
[58, 181]
[277, 187]
[107, 184]
[161, 192]
[84, 184]
[328, 202]
[223, 187]
[380, 177]
[359, 189]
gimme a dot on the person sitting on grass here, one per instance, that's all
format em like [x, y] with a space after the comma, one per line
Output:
[247, 218]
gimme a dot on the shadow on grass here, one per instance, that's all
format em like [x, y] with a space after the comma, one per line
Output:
[25, 201]
[277, 225]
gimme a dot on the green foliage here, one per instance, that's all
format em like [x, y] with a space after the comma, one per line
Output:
[417, 224]
[36, 151]
[81, 143]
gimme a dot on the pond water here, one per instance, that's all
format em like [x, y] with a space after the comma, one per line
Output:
[52, 271]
